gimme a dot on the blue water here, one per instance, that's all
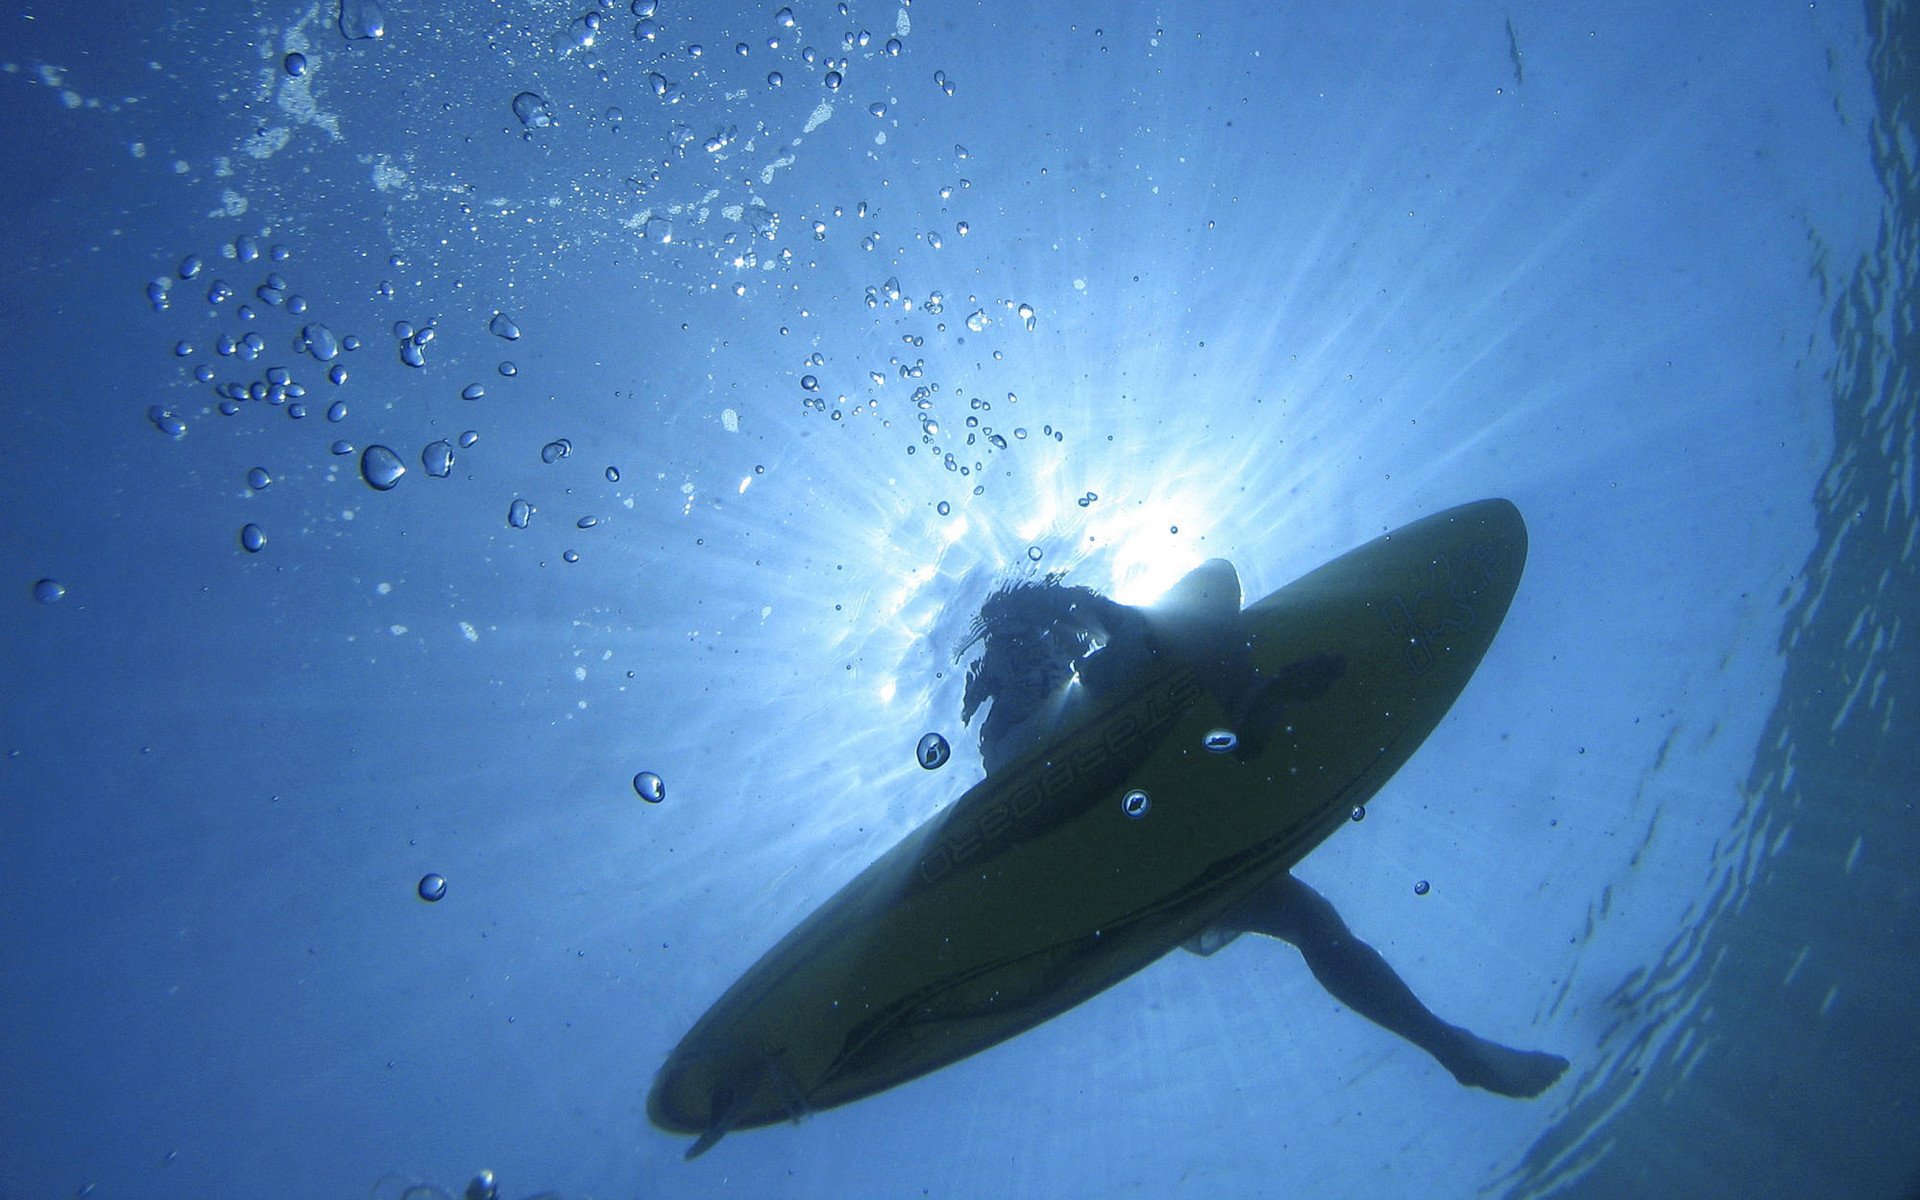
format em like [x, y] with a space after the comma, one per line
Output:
[1297, 274]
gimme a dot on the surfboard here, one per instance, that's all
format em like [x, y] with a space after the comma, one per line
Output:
[1095, 853]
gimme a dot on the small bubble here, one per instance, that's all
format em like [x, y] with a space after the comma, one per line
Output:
[586, 522]
[649, 787]
[252, 538]
[337, 411]
[432, 887]
[833, 81]
[509, 370]
[555, 450]
[519, 513]
[1220, 741]
[1421, 888]
[943, 508]
[1135, 804]
[784, 18]
[877, 109]
[774, 79]
[49, 591]
[258, 479]
[1359, 813]
[502, 326]
[343, 447]
[468, 438]
[613, 474]
[189, 266]
[572, 556]
[933, 751]
[1033, 554]
[381, 467]
[472, 391]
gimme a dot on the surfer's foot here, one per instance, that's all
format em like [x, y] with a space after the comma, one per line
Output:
[1502, 1070]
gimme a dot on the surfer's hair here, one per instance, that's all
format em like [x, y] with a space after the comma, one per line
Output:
[1030, 606]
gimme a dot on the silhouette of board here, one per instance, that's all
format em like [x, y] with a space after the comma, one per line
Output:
[1050, 881]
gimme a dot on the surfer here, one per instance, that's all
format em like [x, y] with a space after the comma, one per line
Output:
[1048, 649]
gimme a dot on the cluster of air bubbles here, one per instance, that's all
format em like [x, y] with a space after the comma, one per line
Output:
[1084, 501]
[413, 342]
[166, 421]
[933, 751]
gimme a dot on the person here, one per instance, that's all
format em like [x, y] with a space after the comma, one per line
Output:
[1048, 648]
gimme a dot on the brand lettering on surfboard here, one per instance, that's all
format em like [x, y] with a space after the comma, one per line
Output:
[1122, 737]
[1445, 605]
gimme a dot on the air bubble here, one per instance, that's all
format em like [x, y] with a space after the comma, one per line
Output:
[432, 887]
[933, 751]
[437, 458]
[1220, 741]
[1135, 804]
[519, 513]
[252, 538]
[532, 110]
[381, 467]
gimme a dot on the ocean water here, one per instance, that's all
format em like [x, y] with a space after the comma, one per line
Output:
[734, 354]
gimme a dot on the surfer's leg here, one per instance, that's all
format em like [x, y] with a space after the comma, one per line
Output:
[1357, 976]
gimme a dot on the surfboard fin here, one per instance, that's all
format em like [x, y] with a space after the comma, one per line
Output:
[730, 1102]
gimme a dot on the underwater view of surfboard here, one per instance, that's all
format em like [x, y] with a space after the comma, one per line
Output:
[1143, 820]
